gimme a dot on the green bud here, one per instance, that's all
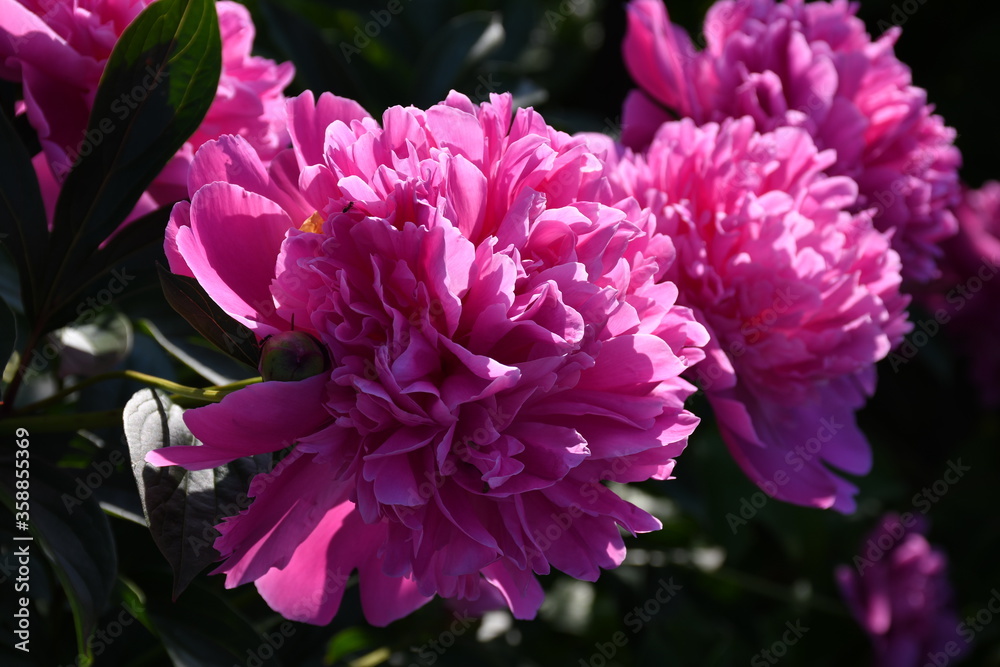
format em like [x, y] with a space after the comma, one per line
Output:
[291, 356]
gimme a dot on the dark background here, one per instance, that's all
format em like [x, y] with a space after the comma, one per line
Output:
[738, 589]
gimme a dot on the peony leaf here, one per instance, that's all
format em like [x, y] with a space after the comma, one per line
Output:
[203, 629]
[314, 65]
[457, 48]
[22, 216]
[138, 235]
[10, 283]
[206, 361]
[182, 507]
[157, 87]
[8, 334]
[142, 234]
[95, 346]
[74, 535]
[189, 299]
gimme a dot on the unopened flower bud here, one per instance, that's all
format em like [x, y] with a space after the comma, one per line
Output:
[291, 356]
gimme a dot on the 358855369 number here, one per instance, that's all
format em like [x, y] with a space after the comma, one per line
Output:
[22, 464]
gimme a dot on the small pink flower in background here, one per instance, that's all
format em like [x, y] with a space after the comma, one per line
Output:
[966, 300]
[57, 49]
[801, 297]
[498, 346]
[809, 65]
[899, 593]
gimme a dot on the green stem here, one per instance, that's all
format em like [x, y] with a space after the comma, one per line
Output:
[207, 395]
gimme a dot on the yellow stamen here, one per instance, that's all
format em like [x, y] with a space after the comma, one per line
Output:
[313, 224]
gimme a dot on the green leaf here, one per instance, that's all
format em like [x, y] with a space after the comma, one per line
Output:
[13, 325]
[314, 65]
[182, 507]
[134, 600]
[136, 236]
[8, 334]
[189, 299]
[202, 629]
[348, 641]
[71, 530]
[463, 43]
[207, 362]
[157, 87]
[96, 346]
[10, 281]
[23, 225]
[331, 51]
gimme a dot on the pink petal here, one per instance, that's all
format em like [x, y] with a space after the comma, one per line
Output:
[231, 247]
[259, 418]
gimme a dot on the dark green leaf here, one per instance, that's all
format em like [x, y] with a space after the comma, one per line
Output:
[121, 503]
[346, 642]
[13, 325]
[70, 528]
[202, 629]
[146, 357]
[8, 333]
[158, 84]
[96, 346]
[307, 48]
[182, 507]
[207, 362]
[127, 284]
[190, 300]
[28, 135]
[459, 46]
[10, 281]
[23, 225]
[136, 236]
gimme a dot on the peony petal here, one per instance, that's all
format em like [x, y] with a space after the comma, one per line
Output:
[231, 247]
[259, 418]
[256, 540]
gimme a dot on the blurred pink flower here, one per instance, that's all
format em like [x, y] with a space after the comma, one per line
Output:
[801, 298]
[57, 50]
[809, 65]
[899, 593]
[498, 347]
[966, 300]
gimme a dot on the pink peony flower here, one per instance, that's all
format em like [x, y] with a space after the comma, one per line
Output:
[57, 49]
[965, 300]
[899, 593]
[497, 349]
[801, 298]
[809, 65]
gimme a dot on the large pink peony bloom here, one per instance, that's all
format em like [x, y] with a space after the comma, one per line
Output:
[899, 593]
[966, 300]
[800, 297]
[497, 344]
[809, 65]
[58, 49]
